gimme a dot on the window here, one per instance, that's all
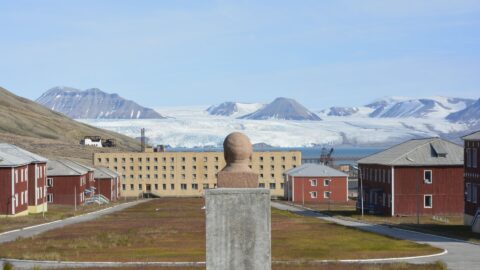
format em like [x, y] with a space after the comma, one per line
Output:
[172, 159]
[140, 187]
[49, 182]
[474, 158]
[468, 192]
[326, 194]
[313, 194]
[205, 186]
[261, 159]
[172, 176]
[261, 185]
[194, 159]
[216, 159]
[124, 187]
[194, 186]
[148, 159]
[427, 176]
[172, 186]
[261, 167]
[313, 182]
[326, 182]
[205, 159]
[282, 185]
[474, 193]
[156, 186]
[427, 201]
[50, 197]
[183, 159]
[131, 187]
[272, 158]
[469, 157]
[164, 186]
[272, 185]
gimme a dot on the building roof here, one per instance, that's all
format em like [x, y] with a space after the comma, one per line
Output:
[419, 152]
[65, 167]
[12, 156]
[101, 173]
[82, 165]
[314, 170]
[474, 136]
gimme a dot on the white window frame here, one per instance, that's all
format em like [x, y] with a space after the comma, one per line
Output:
[313, 182]
[50, 179]
[313, 194]
[325, 196]
[425, 180]
[431, 200]
[325, 182]
[50, 197]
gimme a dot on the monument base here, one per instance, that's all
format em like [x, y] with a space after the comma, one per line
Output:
[238, 229]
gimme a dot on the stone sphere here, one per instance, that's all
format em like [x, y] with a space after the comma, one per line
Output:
[237, 147]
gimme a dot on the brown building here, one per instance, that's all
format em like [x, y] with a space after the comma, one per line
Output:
[472, 180]
[66, 182]
[189, 173]
[22, 181]
[107, 183]
[417, 177]
[315, 183]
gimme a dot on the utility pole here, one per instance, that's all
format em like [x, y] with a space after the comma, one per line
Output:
[418, 191]
[303, 192]
[75, 197]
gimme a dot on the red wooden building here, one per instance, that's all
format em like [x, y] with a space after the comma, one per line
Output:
[315, 183]
[22, 181]
[472, 180]
[66, 182]
[107, 183]
[417, 177]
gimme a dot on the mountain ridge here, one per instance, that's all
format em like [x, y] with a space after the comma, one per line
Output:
[94, 103]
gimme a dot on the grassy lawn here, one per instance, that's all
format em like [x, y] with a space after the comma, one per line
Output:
[451, 226]
[55, 212]
[173, 229]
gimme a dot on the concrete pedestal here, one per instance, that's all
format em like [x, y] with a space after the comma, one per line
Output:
[238, 229]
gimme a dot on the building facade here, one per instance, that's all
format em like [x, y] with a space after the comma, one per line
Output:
[315, 183]
[66, 182]
[107, 183]
[472, 180]
[417, 177]
[22, 181]
[190, 173]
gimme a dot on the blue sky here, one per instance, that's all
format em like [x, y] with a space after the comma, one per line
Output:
[169, 53]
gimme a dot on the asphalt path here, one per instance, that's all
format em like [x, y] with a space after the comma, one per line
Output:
[459, 255]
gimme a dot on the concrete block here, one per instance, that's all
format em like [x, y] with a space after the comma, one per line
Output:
[238, 229]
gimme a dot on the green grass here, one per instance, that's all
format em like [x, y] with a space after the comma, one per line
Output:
[55, 212]
[451, 226]
[173, 229]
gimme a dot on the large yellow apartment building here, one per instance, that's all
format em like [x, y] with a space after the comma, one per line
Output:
[190, 173]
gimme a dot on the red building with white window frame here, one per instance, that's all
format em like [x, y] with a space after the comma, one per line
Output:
[472, 180]
[107, 183]
[417, 177]
[21, 181]
[66, 182]
[315, 183]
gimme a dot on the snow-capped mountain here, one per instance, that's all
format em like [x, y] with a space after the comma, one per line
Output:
[403, 107]
[435, 107]
[283, 109]
[470, 115]
[234, 109]
[93, 104]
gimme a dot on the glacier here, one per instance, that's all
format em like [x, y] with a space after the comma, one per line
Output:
[194, 127]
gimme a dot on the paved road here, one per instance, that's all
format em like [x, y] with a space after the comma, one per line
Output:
[461, 255]
[37, 229]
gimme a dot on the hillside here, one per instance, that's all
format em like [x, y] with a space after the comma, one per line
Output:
[234, 109]
[94, 104]
[52, 134]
